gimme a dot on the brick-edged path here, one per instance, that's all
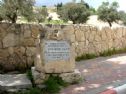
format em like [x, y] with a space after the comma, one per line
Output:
[98, 72]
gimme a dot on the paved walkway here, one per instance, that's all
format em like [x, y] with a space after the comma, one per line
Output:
[98, 73]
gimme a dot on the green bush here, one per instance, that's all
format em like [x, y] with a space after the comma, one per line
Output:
[54, 84]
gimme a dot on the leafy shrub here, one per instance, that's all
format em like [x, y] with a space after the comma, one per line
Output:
[54, 84]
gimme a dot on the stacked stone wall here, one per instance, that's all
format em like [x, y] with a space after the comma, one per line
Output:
[17, 41]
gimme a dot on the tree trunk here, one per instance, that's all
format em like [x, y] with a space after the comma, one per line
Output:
[74, 22]
[14, 18]
[110, 24]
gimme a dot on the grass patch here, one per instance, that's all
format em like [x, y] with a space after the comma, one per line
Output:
[105, 53]
[108, 52]
[54, 84]
[85, 56]
[113, 51]
[55, 22]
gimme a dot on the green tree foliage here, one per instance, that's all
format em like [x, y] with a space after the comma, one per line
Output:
[108, 12]
[59, 5]
[76, 12]
[122, 17]
[84, 3]
[92, 11]
[40, 14]
[11, 9]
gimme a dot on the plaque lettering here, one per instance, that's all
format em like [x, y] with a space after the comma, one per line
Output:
[56, 50]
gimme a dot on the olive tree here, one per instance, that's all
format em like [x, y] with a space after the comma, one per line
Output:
[76, 12]
[108, 12]
[40, 14]
[11, 9]
[122, 17]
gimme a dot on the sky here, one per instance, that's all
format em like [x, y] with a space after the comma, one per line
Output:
[93, 3]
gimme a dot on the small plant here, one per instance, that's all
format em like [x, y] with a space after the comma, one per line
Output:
[85, 56]
[54, 84]
[30, 77]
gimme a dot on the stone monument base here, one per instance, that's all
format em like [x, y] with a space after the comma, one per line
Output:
[73, 77]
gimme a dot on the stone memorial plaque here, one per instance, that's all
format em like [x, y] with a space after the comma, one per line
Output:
[56, 50]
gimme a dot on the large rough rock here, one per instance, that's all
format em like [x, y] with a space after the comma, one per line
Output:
[71, 77]
[39, 77]
[14, 58]
[35, 31]
[54, 65]
[14, 62]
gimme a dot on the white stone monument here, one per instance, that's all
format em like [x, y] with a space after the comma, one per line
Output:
[55, 55]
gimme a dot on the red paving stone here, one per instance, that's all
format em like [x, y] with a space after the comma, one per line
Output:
[98, 72]
[109, 92]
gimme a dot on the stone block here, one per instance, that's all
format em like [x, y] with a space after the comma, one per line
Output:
[4, 53]
[28, 42]
[73, 77]
[2, 33]
[19, 50]
[39, 77]
[30, 51]
[27, 33]
[35, 31]
[9, 40]
[57, 61]
[11, 50]
[1, 45]
[72, 38]
[30, 61]
[79, 35]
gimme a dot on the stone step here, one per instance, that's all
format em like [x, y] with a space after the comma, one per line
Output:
[14, 82]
